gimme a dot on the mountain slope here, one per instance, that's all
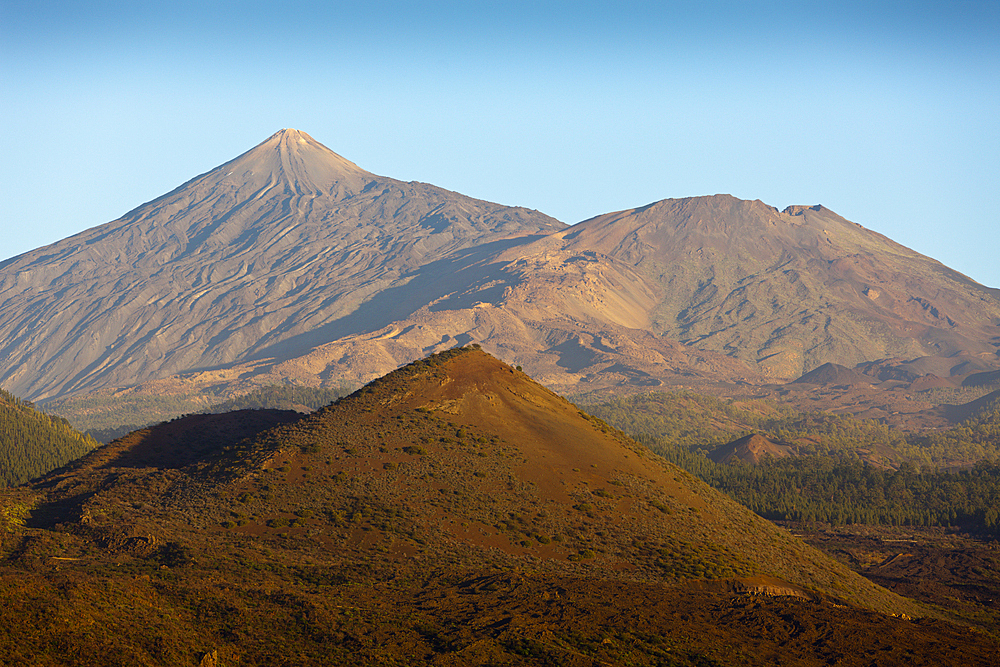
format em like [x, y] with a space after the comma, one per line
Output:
[697, 290]
[33, 443]
[452, 512]
[258, 257]
[787, 291]
[456, 458]
[292, 265]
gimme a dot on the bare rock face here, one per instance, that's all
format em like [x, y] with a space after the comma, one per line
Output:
[787, 291]
[291, 264]
[262, 256]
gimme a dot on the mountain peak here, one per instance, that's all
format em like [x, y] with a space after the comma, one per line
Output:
[291, 132]
[303, 163]
[293, 237]
[290, 139]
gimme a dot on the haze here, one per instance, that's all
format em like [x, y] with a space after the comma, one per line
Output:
[885, 113]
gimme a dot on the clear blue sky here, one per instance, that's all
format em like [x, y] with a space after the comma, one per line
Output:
[887, 113]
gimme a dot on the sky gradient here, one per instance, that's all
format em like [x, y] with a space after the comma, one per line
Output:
[886, 113]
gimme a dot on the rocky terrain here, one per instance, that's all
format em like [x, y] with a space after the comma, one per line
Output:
[290, 264]
[789, 290]
[256, 258]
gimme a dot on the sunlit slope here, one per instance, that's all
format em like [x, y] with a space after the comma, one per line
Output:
[461, 459]
[789, 290]
[264, 256]
[292, 265]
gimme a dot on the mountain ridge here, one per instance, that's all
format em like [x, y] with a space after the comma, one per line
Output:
[252, 261]
[291, 264]
[727, 267]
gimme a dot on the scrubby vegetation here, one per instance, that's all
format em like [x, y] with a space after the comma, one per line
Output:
[449, 513]
[703, 423]
[976, 438]
[836, 491]
[109, 418]
[95, 412]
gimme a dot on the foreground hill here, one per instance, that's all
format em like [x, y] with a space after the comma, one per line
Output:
[452, 512]
[453, 493]
[456, 456]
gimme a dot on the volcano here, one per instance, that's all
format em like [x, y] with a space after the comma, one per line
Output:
[258, 257]
[457, 455]
[451, 512]
[787, 291]
[292, 265]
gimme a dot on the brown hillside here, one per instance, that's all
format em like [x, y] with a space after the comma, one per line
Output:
[834, 374]
[452, 512]
[458, 456]
[750, 449]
